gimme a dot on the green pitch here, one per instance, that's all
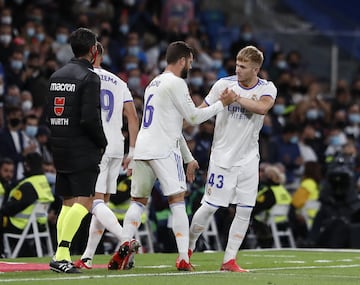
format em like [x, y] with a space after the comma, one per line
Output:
[268, 267]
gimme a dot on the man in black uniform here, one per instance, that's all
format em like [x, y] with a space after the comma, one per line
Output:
[77, 140]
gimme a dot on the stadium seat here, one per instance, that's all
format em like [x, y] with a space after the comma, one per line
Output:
[280, 230]
[312, 205]
[31, 232]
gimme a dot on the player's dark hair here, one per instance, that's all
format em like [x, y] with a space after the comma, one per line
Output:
[81, 40]
[177, 50]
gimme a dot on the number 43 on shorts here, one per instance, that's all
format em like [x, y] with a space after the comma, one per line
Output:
[217, 180]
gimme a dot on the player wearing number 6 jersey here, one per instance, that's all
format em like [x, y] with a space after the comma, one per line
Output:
[160, 147]
[116, 100]
[234, 160]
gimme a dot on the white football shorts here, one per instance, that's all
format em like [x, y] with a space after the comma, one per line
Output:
[170, 172]
[106, 182]
[235, 185]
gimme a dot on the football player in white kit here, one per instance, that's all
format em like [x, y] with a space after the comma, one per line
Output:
[233, 173]
[160, 147]
[116, 101]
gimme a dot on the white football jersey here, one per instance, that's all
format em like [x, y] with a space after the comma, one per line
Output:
[114, 93]
[166, 103]
[237, 130]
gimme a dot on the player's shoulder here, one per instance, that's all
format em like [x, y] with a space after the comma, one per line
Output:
[106, 75]
[264, 82]
[226, 81]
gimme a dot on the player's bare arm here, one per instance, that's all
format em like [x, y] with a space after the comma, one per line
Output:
[133, 126]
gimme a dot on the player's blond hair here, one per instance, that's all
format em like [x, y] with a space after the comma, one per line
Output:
[250, 54]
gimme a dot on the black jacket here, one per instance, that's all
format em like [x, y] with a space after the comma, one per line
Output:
[73, 113]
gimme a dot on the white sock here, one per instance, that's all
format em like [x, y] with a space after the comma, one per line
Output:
[107, 218]
[200, 223]
[180, 228]
[237, 232]
[96, 231]
[132, 220]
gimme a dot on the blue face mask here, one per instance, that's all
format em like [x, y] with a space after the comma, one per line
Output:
[16, 64]
[131, 66]
[106, 59]
[279, 109]
[40, 37]
[312, 114]
[335, 140]
[217, 63]
[354, 118]
[134, 50]
[247, 36]
[61, 38]
[294, 139]
[31, 131]
[197, 81]
[134, 82]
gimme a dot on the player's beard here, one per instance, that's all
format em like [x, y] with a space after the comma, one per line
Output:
[184, 72]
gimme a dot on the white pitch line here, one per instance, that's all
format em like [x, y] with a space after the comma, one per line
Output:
[84, 277]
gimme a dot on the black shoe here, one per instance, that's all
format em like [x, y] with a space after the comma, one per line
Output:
[63, 266]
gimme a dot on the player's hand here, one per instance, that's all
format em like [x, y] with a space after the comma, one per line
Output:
[228, 97]
[128, 165]
[191, 169]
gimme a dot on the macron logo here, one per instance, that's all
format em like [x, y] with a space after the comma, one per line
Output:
[69, 87]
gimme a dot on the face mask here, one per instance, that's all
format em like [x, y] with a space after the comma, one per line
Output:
[134, 50]
[16, 64]
[30, 32]
[134, 82]
[247, 36]
[312, 114]
[294, 139]
[6, 20]
[279, 109]
[5, 39]
[354, 118]
[40, 37]
[197, 81]
[130, 66]
[12, 100]
[14, 122]
[162, 64]
[335, 140]
[281, 64]
[217, 63]
[124, 29]
[31, 131]
[26, 105]
[61, 38]
[106, 59]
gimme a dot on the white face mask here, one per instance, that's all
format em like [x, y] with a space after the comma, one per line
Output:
[26, 105]
[5, 39]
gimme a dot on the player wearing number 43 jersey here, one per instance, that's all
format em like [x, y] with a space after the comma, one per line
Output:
[116, 101]
[160, 147]
[234, 160]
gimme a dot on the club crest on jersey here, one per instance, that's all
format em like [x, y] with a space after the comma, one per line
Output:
[59, 103]
[253, 97]
[208, 191]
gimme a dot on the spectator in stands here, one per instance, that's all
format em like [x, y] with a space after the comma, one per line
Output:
[12, 140]
[246, 38]
[34, 187]
[60, 46]
[7, 171]
[304, 210]
[272, 193]
[285, 149]
[14, 70]
[6, 45]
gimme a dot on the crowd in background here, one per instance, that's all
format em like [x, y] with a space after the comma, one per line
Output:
[306, 124]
